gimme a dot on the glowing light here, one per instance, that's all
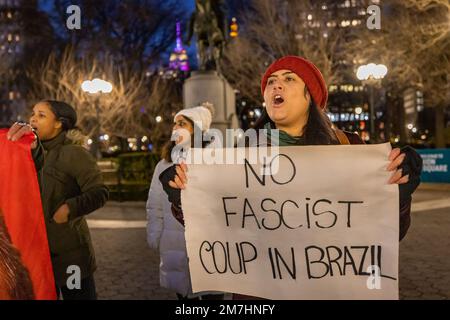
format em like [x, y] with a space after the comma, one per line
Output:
[234, 28]
[96, 86]
[371, 70]
[178, 59]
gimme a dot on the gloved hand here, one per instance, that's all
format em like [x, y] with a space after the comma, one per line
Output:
[173, 194]
[412, 166]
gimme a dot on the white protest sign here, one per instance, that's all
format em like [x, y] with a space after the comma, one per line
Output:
[324, 226]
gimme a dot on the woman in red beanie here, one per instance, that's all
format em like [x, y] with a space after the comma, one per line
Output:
[295, 96]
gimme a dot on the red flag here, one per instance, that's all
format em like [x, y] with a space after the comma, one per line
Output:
[20, 202]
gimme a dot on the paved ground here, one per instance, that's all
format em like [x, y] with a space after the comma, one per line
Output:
[425, 252]
[128, 269]
[424, 257]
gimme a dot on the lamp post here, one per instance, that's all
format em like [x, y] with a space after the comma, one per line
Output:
[371, 75]
[95, 88]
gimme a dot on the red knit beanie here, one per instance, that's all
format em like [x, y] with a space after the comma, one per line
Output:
[307, 71]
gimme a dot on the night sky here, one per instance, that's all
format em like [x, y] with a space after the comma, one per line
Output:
[189, 5]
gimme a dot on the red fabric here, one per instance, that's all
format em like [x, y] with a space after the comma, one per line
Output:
[306, 70]
[20, 201]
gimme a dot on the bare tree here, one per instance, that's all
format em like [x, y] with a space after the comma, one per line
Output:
[134, 32]
[8, 76]
[434, 58]
[5, 63]
[275, 28]
[414, 43]
[129, 110]
[122, 42]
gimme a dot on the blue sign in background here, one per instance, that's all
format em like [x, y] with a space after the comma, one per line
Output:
[436, 165]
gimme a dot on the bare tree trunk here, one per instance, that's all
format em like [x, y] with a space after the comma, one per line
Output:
[388, 120]
[401, 120]
[439, 125]
[129, 110]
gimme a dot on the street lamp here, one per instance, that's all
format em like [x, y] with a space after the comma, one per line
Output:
[95, 88]
[371, 74]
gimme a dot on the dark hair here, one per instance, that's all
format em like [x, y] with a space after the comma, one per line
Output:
[168, 147]
[318, 129]
[166, 152]
[64, 112]
[13, 274]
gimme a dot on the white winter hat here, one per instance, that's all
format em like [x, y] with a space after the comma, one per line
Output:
[201, 116]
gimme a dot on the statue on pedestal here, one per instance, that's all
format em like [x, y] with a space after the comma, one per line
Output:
[209, 25]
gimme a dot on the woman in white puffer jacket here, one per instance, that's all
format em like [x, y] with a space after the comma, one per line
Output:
[164, 232]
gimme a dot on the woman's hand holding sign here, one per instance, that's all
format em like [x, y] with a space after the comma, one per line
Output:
[180, 180]
[397, 158]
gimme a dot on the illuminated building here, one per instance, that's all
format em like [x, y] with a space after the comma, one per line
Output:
[179, 60]
[13, 44]
[348, 95]
[234, 28]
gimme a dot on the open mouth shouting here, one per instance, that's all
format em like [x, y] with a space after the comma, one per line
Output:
[278, 100]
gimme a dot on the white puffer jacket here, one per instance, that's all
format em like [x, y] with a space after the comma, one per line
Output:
[165, 233]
